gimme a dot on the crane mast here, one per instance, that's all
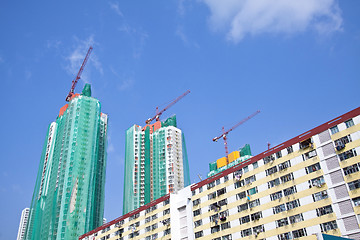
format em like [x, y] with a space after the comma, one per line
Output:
[225, 133]
[76, 79]
[158, 114]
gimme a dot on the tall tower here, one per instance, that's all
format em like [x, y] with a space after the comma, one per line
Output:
[23, 222]
[155, 163]
[68, 198]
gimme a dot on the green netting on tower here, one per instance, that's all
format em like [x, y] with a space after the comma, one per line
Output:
[128, 202]
[171, 121]
[245, 150]
[68, 198]
[245, 155]
[185, 162]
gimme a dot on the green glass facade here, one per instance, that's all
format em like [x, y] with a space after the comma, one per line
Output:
[155, 163]
[68, 198]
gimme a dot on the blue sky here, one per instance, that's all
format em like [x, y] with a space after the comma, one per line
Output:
[296, 61]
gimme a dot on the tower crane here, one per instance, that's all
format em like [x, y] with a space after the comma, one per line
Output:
[158, 114]
[76, 79]
[225, 133]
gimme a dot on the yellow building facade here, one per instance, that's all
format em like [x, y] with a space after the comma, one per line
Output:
[301, 188]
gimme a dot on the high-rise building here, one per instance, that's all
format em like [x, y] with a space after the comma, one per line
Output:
[155, 163]
[68, 198]
[22, 225]
[306, 188]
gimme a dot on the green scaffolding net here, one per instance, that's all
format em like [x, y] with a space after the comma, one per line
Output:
[68, 198]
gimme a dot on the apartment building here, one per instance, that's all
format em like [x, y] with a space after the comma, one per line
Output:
[155, 163]
[301, 189]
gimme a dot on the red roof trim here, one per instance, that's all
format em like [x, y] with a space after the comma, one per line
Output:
[133, 212]
[301, 137]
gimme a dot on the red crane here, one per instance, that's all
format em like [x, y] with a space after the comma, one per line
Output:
[158, 114]
[225, 133]
[74, 82]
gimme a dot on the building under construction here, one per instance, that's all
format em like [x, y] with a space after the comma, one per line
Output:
[155, 163]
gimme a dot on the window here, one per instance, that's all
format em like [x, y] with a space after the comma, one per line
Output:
[240, 195]
[354, 185]
[254, 203]
[252, 191]
[221, 191]
[293, 204]
[328, 226]
[289, 149]
[341, 142]
[255, 165]
[285, 236]
[199, 234]
[154, 226]
[334, 129]
[299, 233]
[296, 218]
[305, 144]
[196, 202]
[197, 212]
[348, 154]
[271, 170]
[356, 201]
[212, 195]
[148, 229]
[349, 123]
[167, 231]
[210, 185]
[284, 165]
[256, 216]
[282, 222]
[278, 154]
[244, 219]
[309, 155]
[242, 207]
[167, 201]
[193, 192]
[222, 202]
[198, 223]
[269, 159]
[324, 210]
[275, 196]
[320, 196]
[217, 181]
[250, 179]
[351, 169]
[148, 219]
[167, 211]
[246, 169]
[289, 191]
[258, 229]
[317, 182]
[226, 178]
[153, 217]
[313, 168]
[279, 208]
[214, 218]
[238, 184]
[237, 174]
[274, 183]
[154, 236]
[227, 237]
[246, 232]
[287, 178]
[215, 229]
[225, 225]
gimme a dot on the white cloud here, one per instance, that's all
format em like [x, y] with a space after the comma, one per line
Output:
[76, 57]
[115, 6]
[125, 83]
[184, 38]
[239, 18]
